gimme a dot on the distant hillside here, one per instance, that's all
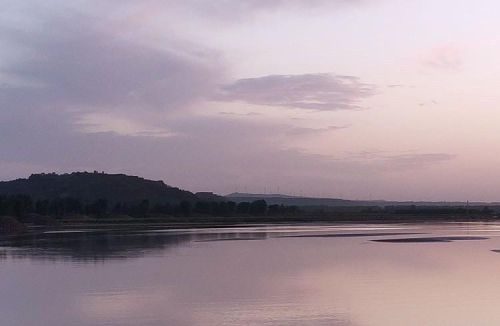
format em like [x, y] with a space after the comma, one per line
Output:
[288, 200]
[89, 187]
[119, 188]
[259, 196]
[278, 199]
[209, 196]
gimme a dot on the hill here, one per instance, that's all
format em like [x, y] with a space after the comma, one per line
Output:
[280, 199]
[89, 187]
[99, 195]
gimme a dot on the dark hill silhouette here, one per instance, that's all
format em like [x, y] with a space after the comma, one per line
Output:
[44, 198]
[88, 187]
[209, 196]
[280, 199]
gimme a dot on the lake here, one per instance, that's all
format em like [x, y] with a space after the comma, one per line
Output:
[348, 274]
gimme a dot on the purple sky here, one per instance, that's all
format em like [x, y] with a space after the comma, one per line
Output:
[361, 99]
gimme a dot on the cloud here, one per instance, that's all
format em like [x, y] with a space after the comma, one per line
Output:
[204, 153]
[303, 131]
[398, 161]
[428, 103]
[321, 91]
[447, 57]
[102, 122]
[90, 74]
[248, 114]
[225, 8]
[78, 63]
[410, 161]
[233, 11]
[81, 92]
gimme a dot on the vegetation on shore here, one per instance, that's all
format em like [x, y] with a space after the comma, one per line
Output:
[82, 197]
[25, 207]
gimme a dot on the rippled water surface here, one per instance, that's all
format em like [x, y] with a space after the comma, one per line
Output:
[408, 274]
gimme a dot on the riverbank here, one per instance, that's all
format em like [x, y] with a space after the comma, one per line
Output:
[11, 227]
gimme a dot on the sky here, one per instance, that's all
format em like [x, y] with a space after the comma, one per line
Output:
[357, 99]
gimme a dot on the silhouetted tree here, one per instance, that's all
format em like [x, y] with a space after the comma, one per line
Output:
[98, 208]
[203, 207]
[185, 208]
[274, 210]
[243, 208]
[143, 207]
[258, 207]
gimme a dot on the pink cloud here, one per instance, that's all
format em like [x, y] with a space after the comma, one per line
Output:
[447, 57]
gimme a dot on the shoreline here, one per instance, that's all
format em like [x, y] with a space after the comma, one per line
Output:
[170, 223]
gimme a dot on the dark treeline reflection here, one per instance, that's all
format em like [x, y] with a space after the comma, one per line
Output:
[93, 246]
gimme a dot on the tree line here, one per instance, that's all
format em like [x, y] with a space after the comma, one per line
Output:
[21, 205]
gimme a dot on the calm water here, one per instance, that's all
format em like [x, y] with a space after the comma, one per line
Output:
[287, 275]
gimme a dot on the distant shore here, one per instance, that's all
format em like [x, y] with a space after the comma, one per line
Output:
[10, 226]
[50, 201]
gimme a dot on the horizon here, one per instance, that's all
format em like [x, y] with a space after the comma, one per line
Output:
[334, 99]
[255, 194]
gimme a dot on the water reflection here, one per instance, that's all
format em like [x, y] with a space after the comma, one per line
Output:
[291, 275]
[431, 239]
[348, 235]
[91, 245]
[95, 245]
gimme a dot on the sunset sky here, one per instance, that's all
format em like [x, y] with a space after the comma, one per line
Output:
[359, 99]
